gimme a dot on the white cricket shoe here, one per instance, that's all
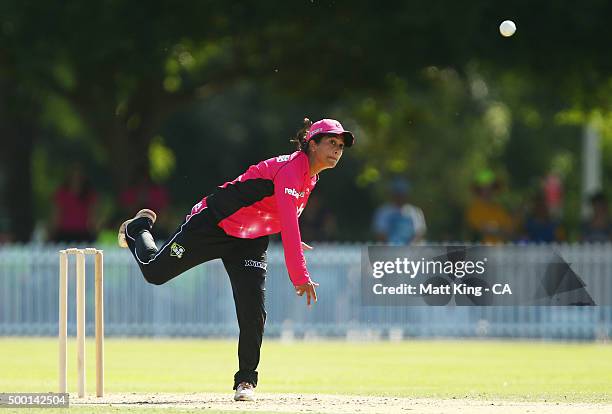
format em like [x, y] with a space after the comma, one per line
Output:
[145, 212]
[245, 392]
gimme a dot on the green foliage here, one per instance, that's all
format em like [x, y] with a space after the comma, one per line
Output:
[58, 115]
[434, 92]
[161, 159]
[437, 132]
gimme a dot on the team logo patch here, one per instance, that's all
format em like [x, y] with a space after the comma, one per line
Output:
[176, 250]
[255, 263]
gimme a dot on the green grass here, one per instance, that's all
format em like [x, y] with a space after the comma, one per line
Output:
[524, 371]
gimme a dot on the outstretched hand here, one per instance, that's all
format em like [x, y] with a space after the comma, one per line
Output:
[309, 289]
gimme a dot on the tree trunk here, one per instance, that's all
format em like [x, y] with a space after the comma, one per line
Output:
[18, 131]
[18, 189]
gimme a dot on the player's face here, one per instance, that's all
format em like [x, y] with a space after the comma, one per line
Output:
[330, 149]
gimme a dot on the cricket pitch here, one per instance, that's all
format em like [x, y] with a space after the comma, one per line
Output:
[333, 404]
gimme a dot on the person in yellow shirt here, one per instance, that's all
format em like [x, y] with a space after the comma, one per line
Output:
[487, 220]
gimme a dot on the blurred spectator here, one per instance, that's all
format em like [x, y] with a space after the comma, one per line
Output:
[539, 225]
[553, 194]
[398, 221]
[147, 194]
[487, 219]
[598, 228]
[318, 223]
[74, 209]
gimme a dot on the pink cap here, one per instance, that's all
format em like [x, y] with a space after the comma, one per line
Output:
[330, 126]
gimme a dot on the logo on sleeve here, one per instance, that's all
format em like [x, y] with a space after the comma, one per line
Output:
[283, 158]
[176, 250]
[294, 193]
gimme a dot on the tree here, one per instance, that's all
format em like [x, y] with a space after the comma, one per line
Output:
[122, 68]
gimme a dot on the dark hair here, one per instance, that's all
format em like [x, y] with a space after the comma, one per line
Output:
[300, 137]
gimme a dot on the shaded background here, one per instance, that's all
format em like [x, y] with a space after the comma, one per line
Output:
[191, 93]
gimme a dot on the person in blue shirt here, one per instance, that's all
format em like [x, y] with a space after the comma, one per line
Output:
[399, 222]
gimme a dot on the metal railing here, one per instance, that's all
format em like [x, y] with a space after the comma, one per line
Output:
[200, 303]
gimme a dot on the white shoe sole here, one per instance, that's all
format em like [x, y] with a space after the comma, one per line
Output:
[145, 212]
[243, 397]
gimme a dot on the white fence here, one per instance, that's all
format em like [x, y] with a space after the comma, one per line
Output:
[200, 303]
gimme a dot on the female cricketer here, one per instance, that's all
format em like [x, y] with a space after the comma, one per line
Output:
[233, 224]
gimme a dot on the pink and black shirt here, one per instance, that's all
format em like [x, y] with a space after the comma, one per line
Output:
[268, 198]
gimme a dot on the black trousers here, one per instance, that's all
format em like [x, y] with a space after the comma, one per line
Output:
[196, 241]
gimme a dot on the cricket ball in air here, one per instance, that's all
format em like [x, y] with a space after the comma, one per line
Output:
[507, 28]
